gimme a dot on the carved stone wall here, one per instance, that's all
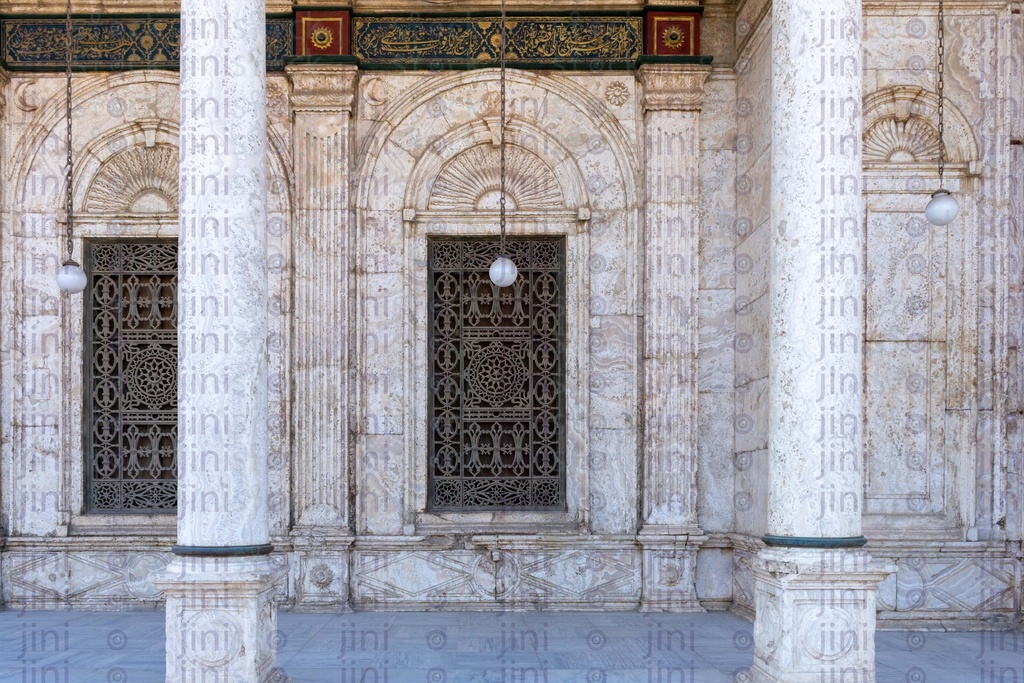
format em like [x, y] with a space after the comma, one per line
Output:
[125, 186]
[366, 165]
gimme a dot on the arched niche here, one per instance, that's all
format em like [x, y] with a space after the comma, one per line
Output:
[921, 314]
[428, 169]
[125, 148]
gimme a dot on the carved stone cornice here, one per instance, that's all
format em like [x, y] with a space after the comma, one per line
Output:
[675, 87]
[322, 88]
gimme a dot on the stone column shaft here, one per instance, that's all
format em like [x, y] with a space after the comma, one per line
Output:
[222, 279]
[815, 438]
[673, 95]
[220, 611]
[815, 592]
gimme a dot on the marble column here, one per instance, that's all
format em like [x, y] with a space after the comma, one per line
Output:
[4, 485]
[814, 586]
[221, 616]
[322, 101]
[673, 95]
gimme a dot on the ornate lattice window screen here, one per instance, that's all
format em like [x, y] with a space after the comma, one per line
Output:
[497, 377]
[131, 377]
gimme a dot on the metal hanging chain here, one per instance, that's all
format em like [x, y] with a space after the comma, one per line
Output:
[68, 204]
[941, 88]
[502, 148]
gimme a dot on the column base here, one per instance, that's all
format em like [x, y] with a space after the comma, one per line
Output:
[221, 619]
[669, 572]
[815, 615]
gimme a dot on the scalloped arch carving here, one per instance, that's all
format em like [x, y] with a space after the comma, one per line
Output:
[472, 181]
[900, 127]
[137, 180]
[891, 140]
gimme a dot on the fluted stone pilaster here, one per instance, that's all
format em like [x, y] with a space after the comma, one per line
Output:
[322, 98]
[673, 95]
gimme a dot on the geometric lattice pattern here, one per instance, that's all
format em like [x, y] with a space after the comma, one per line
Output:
[131, 377]
[497, 376]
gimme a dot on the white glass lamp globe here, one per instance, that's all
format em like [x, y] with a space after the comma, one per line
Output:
[71, 278]
[942, 209]
[503, 272]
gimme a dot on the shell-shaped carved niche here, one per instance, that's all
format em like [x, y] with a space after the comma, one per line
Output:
[471, 181]
[137, 180]
[912, 140]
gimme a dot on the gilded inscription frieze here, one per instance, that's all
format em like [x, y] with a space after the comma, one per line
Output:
[115, 43]
[399, 41]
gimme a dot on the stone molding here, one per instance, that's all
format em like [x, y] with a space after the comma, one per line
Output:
[320, 88]
[678, 87]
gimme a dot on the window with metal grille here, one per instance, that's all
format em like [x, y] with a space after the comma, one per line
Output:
[131, 377]
[497, 376]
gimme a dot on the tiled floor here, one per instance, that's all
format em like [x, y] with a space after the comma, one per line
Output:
[471, 647]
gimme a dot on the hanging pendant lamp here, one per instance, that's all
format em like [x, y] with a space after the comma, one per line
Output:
[70, 276]
[943, 208]
[503, 271]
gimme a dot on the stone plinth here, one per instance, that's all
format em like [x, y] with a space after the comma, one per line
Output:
[221, 619]
[815, 618]
[669, 573]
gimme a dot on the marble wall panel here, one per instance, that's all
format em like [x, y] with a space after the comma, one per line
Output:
[383, 379]
[613, 483]
[714, 577]
[751, 187]
[320, 579]
[969, 586]
[717, 331]
[715, 470]
[433, 580]
[750, 495]
[381, 484]
[900, 43]
[751, 263]
[382, 253]
[743, 580]
[119, 578]
[612, 370]
[590, 578]
[906, 292]
[751, 415]
[611, 267]
[617, 91]
[751, 347]
[905, 470]
[753, 103]
[718, 121]
[753, 190]
[717, 212]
